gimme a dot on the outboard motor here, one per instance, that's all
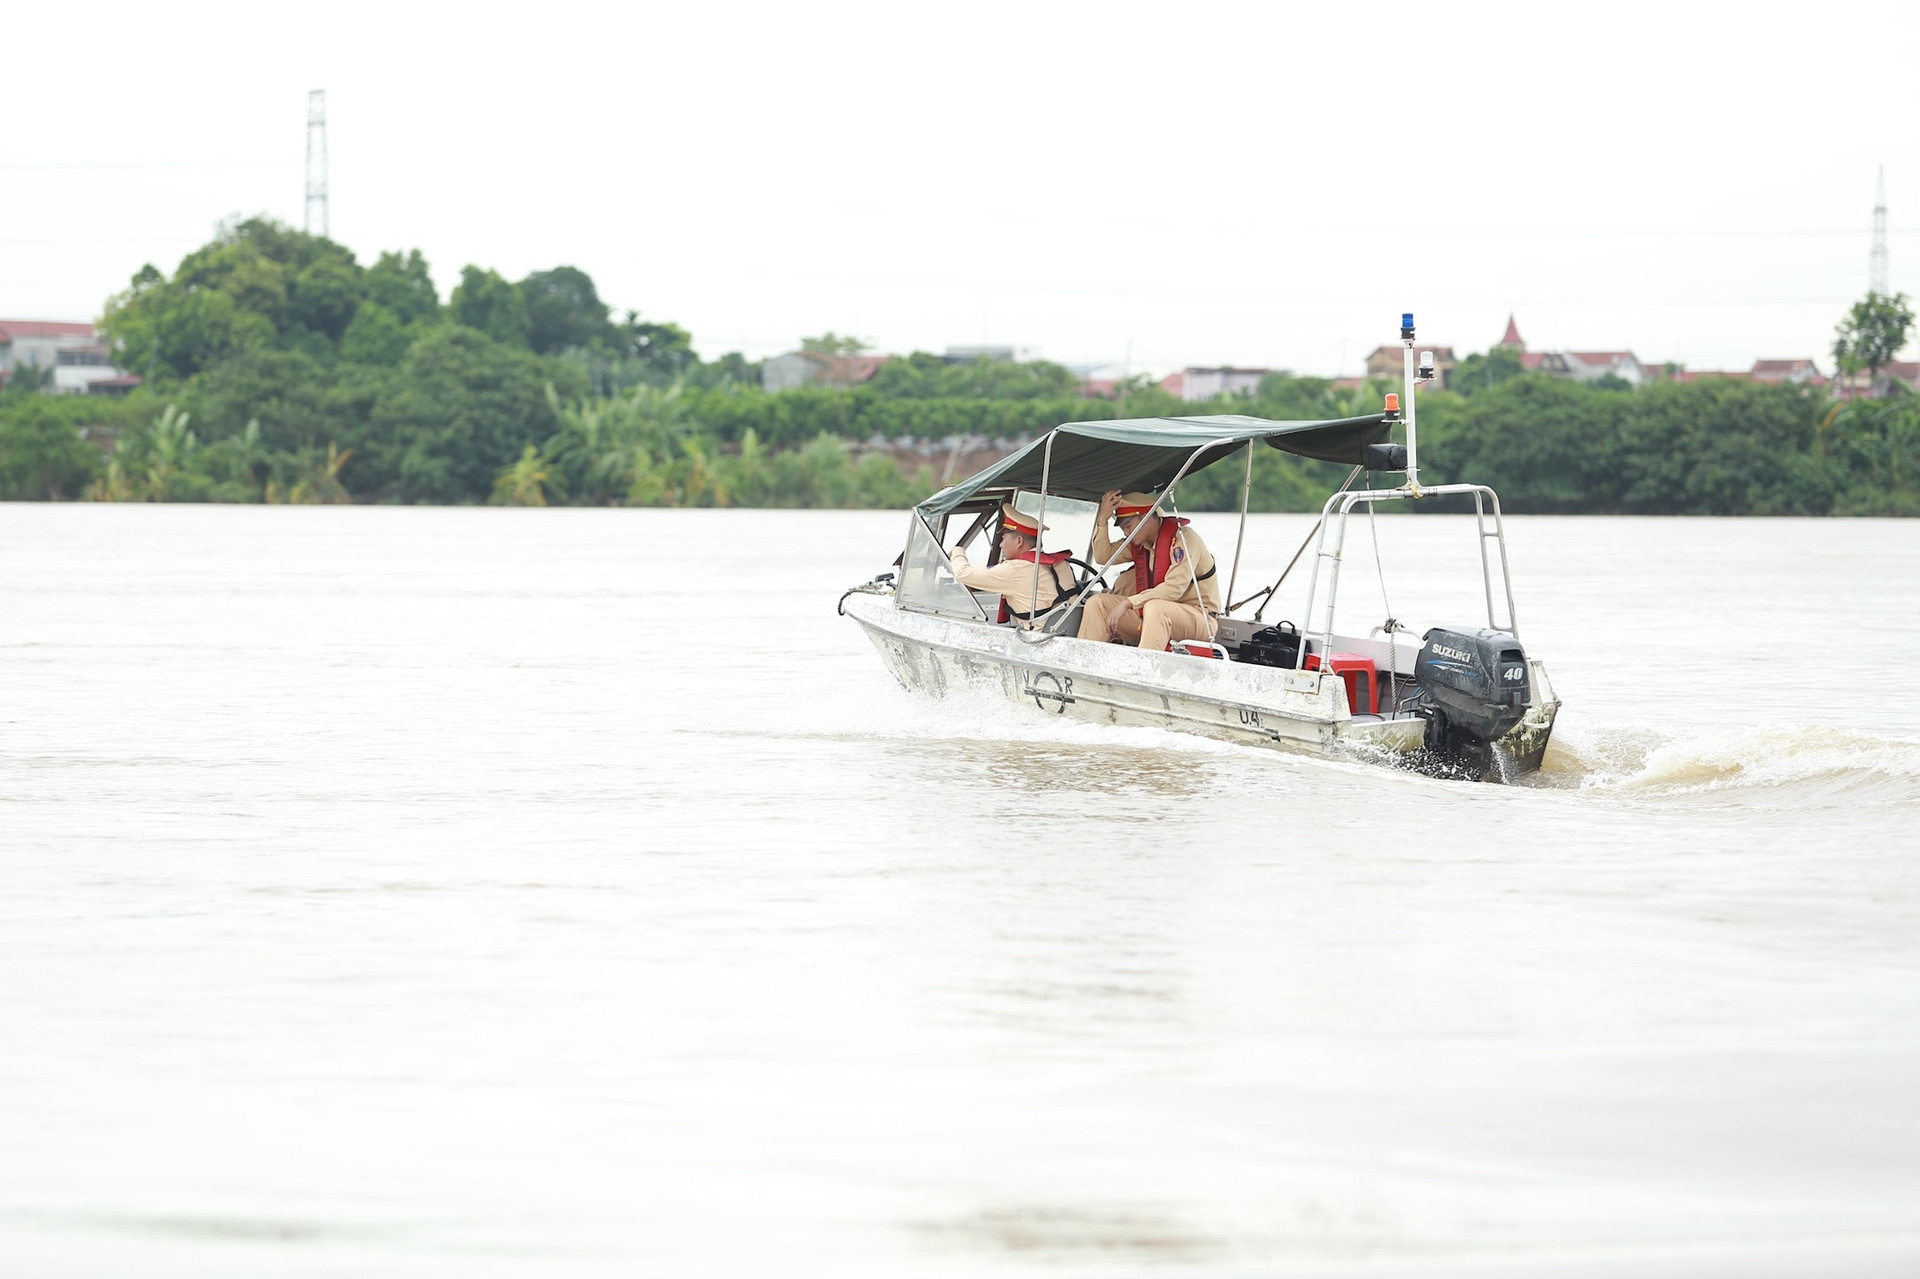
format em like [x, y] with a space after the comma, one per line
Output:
[1476, 685]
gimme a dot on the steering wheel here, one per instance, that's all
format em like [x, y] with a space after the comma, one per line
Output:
[1084, 588]
[1092, 575]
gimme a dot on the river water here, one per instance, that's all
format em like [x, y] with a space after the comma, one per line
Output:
[489, 892]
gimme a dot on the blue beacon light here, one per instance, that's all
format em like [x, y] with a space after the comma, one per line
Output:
[1406, 319]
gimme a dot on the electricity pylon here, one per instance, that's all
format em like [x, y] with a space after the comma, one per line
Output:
[317, 162]
[1877, 280]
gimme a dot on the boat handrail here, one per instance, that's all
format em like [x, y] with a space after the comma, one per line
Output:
[1346, 501]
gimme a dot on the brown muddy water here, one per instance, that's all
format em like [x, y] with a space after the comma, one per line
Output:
[481, 892]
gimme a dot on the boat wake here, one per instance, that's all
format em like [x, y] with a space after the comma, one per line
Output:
[1773, 766]
[1810, 768]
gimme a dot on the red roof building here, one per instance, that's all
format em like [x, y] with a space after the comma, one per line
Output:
[1388, 363]
[13, 329]
[1581, 366]
[1702, 375]
[1204, 384]
[813, 368]
[78, 360]
[1900, 374]
[1783, 371]
[1795, 372]
[1590, 366]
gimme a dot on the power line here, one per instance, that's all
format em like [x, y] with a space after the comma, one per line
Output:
[111, 166]
[180, 237]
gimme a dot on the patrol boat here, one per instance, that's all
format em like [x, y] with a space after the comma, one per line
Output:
[1458, 701]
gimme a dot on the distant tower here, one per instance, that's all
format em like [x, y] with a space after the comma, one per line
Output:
[317, 162]
[1512, 339]
[1877, 263]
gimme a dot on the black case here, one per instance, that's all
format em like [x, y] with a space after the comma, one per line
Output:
[1277, 645]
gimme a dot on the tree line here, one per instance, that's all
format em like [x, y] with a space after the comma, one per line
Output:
[277, 368]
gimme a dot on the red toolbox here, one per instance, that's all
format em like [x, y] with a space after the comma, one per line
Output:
[1363, 682]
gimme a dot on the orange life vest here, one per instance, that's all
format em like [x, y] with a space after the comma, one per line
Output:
[1150, 567]
[1052, 560]
[1149, 570]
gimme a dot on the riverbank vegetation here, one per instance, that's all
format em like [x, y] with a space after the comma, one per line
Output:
[277, 368]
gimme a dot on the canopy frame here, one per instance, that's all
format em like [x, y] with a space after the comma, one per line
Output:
[1082, 460]
[1137, 453]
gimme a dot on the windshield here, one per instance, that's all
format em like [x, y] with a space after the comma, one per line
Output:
[927, 584]
[1069, 521]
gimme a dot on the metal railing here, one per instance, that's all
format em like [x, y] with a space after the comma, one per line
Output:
[1328, 560]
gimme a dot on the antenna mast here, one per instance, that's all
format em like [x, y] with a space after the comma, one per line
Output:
[317, 162]
[1877, 263]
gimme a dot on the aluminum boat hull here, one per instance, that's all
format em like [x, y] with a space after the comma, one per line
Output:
[1303, 711]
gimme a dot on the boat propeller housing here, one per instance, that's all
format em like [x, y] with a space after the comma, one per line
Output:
[1478, 679]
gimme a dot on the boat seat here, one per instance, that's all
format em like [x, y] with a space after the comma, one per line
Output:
[1069, 623]
[1362, 679]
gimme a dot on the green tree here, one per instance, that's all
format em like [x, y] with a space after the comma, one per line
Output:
[257, 284]
[527, 482]
[461, 407]
[310, 478]
[1713, 447]
[157, 462]
[404, 286]
[296, 400]
[663, 351]
[564, 310]
[238, 463]
[42, 456]
[1481, 372]
[324, 296]
[603, 444]
[732, 370]
[925, 376]
[376, 336]
[401, 304]
[27, 379]
[1876, 444]
[831, 344]
[170, 332]
[486, 301]
[1872, 333]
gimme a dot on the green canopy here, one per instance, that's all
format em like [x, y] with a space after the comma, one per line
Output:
[1145, 453]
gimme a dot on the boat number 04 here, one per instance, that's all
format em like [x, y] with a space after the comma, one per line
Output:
[1045, 686]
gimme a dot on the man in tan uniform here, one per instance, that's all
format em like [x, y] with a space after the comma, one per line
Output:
[1013, 576]
[1172, 592]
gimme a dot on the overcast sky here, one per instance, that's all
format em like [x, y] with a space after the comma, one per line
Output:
[1263, 184]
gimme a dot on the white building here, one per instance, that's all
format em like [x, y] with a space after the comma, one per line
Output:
[80, 361]
[796, 369]
[1581, 366]
[1204, 384]
[787, 372]
[992, 354]
[1590, 366]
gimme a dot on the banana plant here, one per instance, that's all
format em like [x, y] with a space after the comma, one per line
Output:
[529, 481]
